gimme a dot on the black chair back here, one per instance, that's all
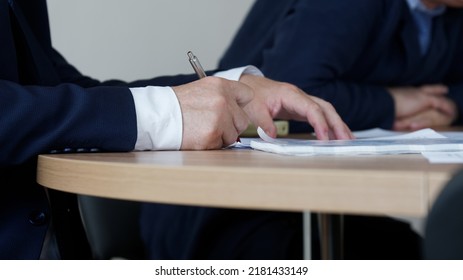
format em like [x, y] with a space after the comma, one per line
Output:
[112, 227]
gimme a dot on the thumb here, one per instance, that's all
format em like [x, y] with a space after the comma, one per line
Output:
[242, 93]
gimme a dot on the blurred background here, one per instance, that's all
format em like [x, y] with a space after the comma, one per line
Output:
[138, 39]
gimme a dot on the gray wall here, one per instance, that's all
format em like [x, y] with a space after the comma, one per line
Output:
[136, 39]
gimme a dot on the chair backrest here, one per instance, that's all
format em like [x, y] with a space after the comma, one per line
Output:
[112, 227]
[444, 227]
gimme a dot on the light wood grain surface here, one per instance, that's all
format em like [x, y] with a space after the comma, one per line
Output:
[401, 184]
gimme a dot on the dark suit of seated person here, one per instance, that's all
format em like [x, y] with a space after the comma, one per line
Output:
[389, 64]
[48, 106]
[444, 226]
[394, 64]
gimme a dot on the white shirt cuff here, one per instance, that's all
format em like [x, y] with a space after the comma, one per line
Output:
[235, 73]
[159, 119]
[159, 116]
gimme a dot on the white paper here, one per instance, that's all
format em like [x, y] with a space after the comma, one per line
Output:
[426, 140]
[426, 133]
[245, 143]
[444, 157]
[379, 132]
[376, 132]
[453, 134]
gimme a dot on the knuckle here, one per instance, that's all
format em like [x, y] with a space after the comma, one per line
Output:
[220, 82]
[329, 106]
[218, 101]
[325, 104]
[215, 82]
[289, 87]
[315, 108]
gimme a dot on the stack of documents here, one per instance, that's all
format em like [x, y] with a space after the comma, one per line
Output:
[384, 142]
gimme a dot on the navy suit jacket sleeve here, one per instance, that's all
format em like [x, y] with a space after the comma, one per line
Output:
[79, 113]
[47, 105]
[40, 119]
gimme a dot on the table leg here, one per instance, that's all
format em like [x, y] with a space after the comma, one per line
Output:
[331, 236]
[307, 235]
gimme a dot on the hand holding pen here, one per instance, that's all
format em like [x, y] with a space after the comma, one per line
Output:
[212, 111]
[194, 61]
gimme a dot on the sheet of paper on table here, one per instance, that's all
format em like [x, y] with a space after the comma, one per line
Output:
[444, 157]
[383, 142]
[379, 132]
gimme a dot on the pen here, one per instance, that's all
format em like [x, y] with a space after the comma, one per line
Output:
[194, 61]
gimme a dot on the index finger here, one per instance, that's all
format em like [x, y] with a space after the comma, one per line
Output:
[319, 113]
[435, 89]
[336, 125]
[301, 107]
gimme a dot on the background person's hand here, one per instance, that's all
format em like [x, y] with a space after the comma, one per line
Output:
[284, 101]
[425, 119]
[410, 101]
[212, 112]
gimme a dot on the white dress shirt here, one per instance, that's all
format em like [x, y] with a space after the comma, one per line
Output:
[159, 117]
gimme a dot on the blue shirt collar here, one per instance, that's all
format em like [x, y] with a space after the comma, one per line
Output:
[417, 5]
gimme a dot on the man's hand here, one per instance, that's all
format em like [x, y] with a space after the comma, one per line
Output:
[410, 101]
[212, 112]
[421, 107]
[284, 101]
[429, 118]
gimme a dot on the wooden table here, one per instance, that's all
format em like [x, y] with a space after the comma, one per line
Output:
[371, 185]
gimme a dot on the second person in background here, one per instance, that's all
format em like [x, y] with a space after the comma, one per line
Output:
[384, 63]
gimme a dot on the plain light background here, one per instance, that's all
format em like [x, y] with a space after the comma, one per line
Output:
[137, 39]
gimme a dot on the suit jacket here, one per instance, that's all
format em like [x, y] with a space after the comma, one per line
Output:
[47, 106]
[349, 52]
